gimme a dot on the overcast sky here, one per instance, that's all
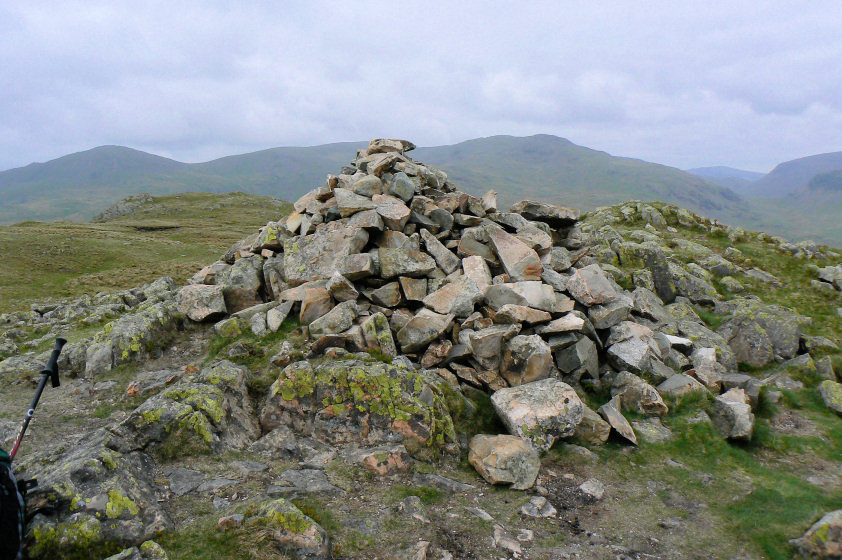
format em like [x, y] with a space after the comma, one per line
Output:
[746, 84]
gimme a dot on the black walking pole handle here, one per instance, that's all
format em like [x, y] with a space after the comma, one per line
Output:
[51, 371]
[52, 365]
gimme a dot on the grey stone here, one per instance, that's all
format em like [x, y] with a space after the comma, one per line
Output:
[520, 261]
[504, 459]
[201, 302]
[591, 286]
[610, 412]
[335, 321]
[732, 415]
[526, 359]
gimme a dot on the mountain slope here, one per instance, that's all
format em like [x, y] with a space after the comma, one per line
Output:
[790, 176]
[543, 167]
[735, 179]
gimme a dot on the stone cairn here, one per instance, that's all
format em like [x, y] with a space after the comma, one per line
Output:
[388, 257]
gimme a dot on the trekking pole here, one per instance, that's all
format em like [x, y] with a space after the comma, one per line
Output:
[49, 372]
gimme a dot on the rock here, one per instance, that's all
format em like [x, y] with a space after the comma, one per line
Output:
[538, 506]
[291, 531]
[446, 260]
[402, 187]
[241, 283]
[414, 289]
[526, 359]
[757, 332]
[732, 415]
[824, 367]
[635, 395]
[350, 203]
[385, 460]
[679, 384]
[317, 256]
[395, 216]
[593, 489]
[476, 269]
[201, 303]
[307, 481]
[335, 321]
[590, 286]
[831, 393]
[378, 335]
[609, 314]
[510, 314]
[610, 412]
[486, 344]
[530, 294]
[651, 430]
[555, 216]
[581, 356]
[504, 460]
[422, 329]
[556, 259]
[457, 297]
[388, 295]
[400, 262]
[592, 429]
[569, 323]
[257, 324]
[229, 328]
[823, 539]
[370, 403]
[503, 540]
[184, 480]
[440, 482]
[341, 289]
[540, 411]
[276, 316]
[412, 506]
[315, 303]
[520, 261]
[656, 262]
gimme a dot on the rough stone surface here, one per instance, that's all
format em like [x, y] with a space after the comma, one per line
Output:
[201, 303]
[541, 411]
[504, 460]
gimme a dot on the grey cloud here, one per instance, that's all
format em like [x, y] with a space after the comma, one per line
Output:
[721, 83]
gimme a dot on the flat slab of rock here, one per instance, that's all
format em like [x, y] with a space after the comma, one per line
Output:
[519, 259]
[555, 216]
[504, 459]
[542, 411]
[610, 412]
[422, 329]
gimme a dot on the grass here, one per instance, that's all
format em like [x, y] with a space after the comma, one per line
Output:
[63, 259]
[426, 494]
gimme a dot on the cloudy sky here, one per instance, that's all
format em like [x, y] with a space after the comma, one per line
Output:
[745, 84]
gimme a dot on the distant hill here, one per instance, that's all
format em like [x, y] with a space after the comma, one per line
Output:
[546, 167]
[735, 179]
[790, 176]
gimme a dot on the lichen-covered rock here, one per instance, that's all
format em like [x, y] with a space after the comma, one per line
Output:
[823, 539]
[93, 499]
[542, 411]
[504, 460]
[291, 531]
[831, 393]
[365, 402]
[206, 411]
[378, 335]
[757, 332]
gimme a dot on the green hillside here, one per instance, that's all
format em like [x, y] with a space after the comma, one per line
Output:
[174, 235]
[790, 176]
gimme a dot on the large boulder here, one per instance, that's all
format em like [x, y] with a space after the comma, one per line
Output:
[200, 302]
[207, 411]
[759, 333]
[504, 459]
[368, 403]
[317, 256]
[542, 411]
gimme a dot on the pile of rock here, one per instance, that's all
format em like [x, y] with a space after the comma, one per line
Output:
[388, 257]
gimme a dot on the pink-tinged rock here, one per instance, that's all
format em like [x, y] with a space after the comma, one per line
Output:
[201, 303]
[414, 289]
[477, 270]
[591, 286]
[457, 297]
[541, 411]
[315, 303]
[511, 313]
[526, 359]
[395, 216]
[520, 261]
[569, 323]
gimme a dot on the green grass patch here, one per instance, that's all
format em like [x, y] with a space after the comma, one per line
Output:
[427, 494]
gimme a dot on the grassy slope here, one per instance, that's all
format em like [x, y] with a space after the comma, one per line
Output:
[68, 259]
[758, 492]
